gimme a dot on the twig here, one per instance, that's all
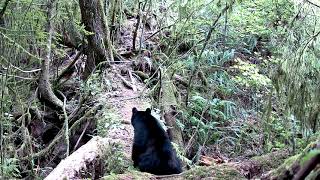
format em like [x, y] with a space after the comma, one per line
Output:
[168, 176]
[204, 47]
[66, 121]
[4, 81]
[134, 88]
[24, 71]
[155, 33]
[143, 25]
[84, 130]
[3, 10]
[125, 82]
[135, 33]
[198, 125]
[124, 99]
[20, 47]
[115, 62]
[312, 3]
[20, 77]
[68, 68]
[307, 44]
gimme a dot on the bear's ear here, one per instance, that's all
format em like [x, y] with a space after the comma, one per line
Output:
[148, 110]
[134, 110]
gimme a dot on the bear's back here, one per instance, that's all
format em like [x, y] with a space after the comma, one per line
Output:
[152, 150]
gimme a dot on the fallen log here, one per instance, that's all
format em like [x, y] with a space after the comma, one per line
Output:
[295, 166]
[81, 160]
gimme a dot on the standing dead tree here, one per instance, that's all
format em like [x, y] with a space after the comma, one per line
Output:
[45, 92]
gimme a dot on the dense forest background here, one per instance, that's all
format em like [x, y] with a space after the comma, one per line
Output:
[235, 82]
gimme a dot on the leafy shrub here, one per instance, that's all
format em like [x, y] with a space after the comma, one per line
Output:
[205, 116]
[250, 76]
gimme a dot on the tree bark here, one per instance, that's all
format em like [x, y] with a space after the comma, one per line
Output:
[45, 92]
[2, 11]
[99, 43]
[168, 103]
[174, 131]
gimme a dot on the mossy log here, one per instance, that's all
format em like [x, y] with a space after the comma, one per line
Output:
[85, 159]
[298, 166]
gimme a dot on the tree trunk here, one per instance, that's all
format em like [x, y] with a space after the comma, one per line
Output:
[2, 11]
[168, 103]
[45, 92]
[99, 44]
[174, 131]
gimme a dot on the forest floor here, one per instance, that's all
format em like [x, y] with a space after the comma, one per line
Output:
[122, 90]
[124, 98]
[122, 102]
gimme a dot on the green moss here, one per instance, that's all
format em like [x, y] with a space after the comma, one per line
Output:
[271, 160]
[286, 165]
[115, 161]
[108, 119]
[198, 172]
[132, 174]
[296, 159]
[213, 172]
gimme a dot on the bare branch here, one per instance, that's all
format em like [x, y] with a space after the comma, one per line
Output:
[312, 3]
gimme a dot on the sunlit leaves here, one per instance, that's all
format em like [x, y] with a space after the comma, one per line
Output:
[250, 76]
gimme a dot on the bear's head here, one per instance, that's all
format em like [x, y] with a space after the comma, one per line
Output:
[140, 116]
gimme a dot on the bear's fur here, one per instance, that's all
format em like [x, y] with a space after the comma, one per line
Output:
[152, 150]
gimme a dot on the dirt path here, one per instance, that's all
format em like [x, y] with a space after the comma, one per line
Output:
[123, 102]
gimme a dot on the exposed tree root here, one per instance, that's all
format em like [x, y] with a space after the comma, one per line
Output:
[125, 82]
[180, 80]
[70, 68]
[59, 136]
[142, 75]
[45, 92]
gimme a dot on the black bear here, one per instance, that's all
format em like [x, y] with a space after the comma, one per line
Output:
[152, 151]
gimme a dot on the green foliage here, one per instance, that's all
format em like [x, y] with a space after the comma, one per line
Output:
[215, 116]
[278, 134]
[218, 57]
[239, 29]
[220, 110]
[297, 77]
[309, 155]
[225, 85]
[260, 18]
[249, 75]
[205, 116]
[115, 160]
[95, 85]
[107, 120]
[10, 168]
